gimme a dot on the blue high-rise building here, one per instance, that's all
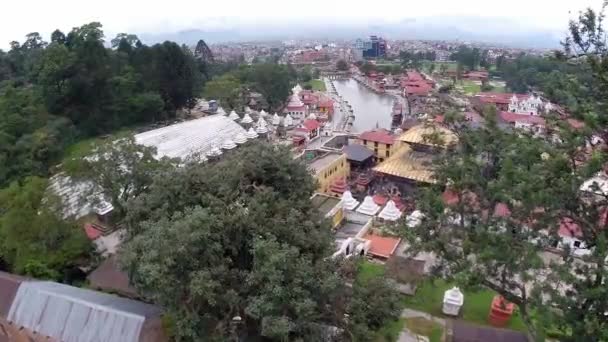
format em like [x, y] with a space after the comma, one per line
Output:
[375, 47]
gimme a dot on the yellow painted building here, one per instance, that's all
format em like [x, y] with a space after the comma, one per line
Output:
[330, 207]
[329, 167]
[381, 141]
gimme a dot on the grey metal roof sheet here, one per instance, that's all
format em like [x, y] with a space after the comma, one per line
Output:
[69, 314]
[357, 152]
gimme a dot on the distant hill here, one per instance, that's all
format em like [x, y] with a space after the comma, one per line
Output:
[481, 29]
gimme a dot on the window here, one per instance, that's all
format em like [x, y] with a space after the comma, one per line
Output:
[577, 244]
[380, 160]
[376, 145]
[376, 151]
[388, 153]
[364, 142]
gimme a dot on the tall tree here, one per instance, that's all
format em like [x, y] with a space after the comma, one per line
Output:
[239, 238]
[34, 240]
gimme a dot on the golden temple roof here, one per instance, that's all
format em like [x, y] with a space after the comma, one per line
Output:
[409, 164]
[425, 134]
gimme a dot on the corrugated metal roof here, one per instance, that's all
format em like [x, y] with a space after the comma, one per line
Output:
[77, 197]
[191, 137]
[69, 314]
[407, 163]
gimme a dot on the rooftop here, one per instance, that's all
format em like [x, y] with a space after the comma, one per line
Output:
[320, 163]
[424, 134]
[325, 204]
[409, 164]
[358, 153]
[378, 135]
[382, 246]
[196, 136]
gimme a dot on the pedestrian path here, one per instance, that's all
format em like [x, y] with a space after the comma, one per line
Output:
[407, 336]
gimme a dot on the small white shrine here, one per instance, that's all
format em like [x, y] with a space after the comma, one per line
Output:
[276, 119]
[214, 152]
[246, 119]
[251, 134]
[414, 219]
[240, 139]
[390, 212]
[288, 121]
[228, 144]
[532, 105]
[368, 207]
[263, 113]
[453, 299]
[233, 116]
[348, 201]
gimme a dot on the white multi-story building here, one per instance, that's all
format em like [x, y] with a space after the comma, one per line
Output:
[531, 105]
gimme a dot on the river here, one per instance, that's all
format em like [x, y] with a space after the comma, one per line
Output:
[371, 109]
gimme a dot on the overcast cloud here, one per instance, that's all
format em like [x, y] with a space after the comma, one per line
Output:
[19, 17]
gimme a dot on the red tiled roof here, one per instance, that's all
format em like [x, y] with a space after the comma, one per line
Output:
[449, 197]
[92, 232]
[576, 124]
[378, 135]
[382, 246]
[414, 76]
[568, 228]
[311, 125]
[522, 118]
[502, 210]
[380, 200]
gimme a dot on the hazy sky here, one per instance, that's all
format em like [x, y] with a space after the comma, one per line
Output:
[19, 17]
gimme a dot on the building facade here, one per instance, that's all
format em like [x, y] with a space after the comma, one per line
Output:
[328, 168]
[381, 141]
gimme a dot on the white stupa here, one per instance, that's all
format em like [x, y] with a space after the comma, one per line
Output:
[221, 111]
[240, 139]
[261, 122]
[246, 119]
[276, 119]
[228, 144]
[233, 115]
[263, 113]
[368, 207]
[288, 121]
[297, 89]
[248, 110]
[453, 299]
[414, 219]
[348, 201]
[390, 212]
[312, 116]
[262, 129]
[251, 134]
[214, 152]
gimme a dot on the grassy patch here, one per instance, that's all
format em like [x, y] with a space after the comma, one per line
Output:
[471, 87]
[424, 327]
[317, 85]
[86, 146]
[429, 298]
[390, 332]
[452, 66]
[369, 270]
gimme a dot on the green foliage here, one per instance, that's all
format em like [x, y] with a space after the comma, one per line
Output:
[236, 237]
[342, 65]
[119, 169]
[470, 58]
[33, 239]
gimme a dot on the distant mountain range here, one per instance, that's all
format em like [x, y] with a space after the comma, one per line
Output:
[501, 31]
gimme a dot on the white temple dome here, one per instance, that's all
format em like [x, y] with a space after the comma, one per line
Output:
[251, 134]
[288, 120]
[368, 207]
[262, 129]
[261, 122]
[312, 116]
[297, 89]
[247, 119]
[348, 201]
[233, 115]
[263, 113]
[240, 138]
[295, 101]
[214, 152]
[276, 119]
[228, 144]
[390, 212]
